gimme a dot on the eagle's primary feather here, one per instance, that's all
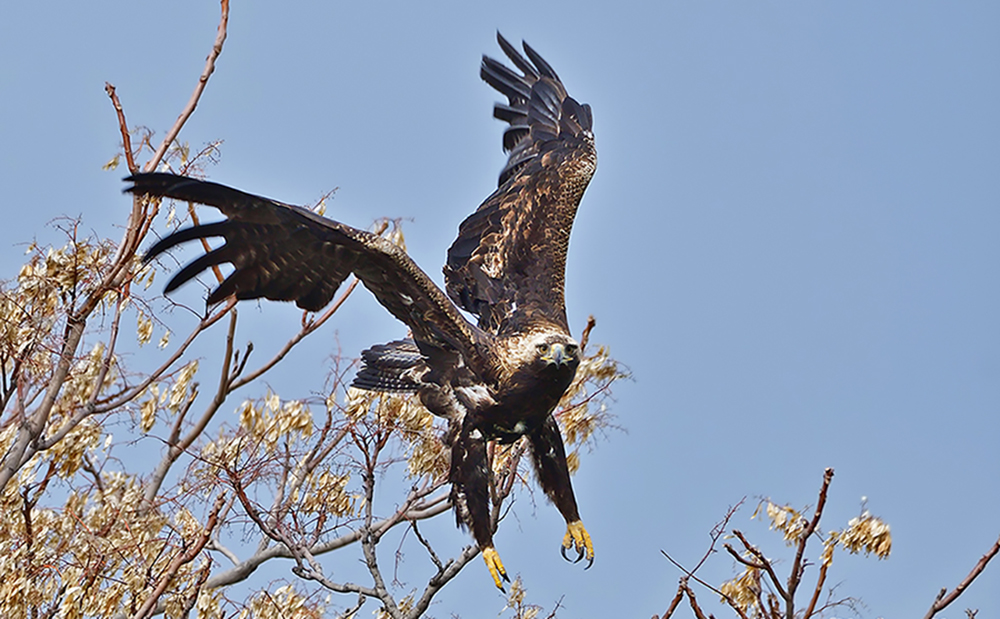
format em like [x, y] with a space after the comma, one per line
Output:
[508, 263]
[499, 379]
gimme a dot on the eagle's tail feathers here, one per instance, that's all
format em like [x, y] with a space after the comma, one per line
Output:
[386, 367]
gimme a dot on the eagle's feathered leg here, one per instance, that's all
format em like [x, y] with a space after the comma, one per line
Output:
[470, 493]
[549, 457]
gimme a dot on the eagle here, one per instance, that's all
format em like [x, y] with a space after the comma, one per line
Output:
[496, 379]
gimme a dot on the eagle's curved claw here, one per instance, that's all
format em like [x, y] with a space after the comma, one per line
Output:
[579, 556]
[495, 566]
[578, 538]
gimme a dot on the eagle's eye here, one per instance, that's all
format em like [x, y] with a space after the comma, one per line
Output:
[543, 348]
[572, 348]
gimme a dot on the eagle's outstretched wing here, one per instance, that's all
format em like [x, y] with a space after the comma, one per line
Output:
[288, 253]
[508, 263]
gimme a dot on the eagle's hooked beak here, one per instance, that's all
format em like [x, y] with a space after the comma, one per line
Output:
[557, 355]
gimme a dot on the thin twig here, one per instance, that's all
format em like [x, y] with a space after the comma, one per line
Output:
[798, 565]
[765, 564]
[694, 602]
[248, 566]
[184, 557]
[439, 580]
[352, 612]
[171, 135]
[129, 395]
[298, 337]
[369, 539]
[427, 545]
[674, 602]
[820, 581]
[944, 598]
[585, 336]
[691, 575]
[123, 127]
[309, 568]
[718, 531]
[715, 534]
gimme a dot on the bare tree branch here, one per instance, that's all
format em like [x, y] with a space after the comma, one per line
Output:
[674, 602]
[798, 565]
[694, 602]
[123, 128]
[451, 569]
[184, 557]
[198, 90]
[763, 562]
[32, 428]
[944, 598]
[691, 575]
[585, 336]
[176, 447]
[306, 330]
[131, 394]
[818, 590]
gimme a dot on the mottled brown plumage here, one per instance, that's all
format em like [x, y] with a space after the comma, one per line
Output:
[509, 260]
[499, 379]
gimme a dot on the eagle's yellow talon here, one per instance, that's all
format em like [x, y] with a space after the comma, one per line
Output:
[577, 537]
[495, 566]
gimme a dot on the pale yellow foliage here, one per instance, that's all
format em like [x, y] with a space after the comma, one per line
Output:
[144, 273]
[94, 534]
[144, 329]
[324, 493]
[82, 381]
[186, 523]
[413, 423]
[208, 605]
[283, 603]
[31, 307]
[67, 455]
[786, 519]
[394, 233]
[223, 452]
[866, 533]
[516, 602]
[358, 402]
[429, 456]
[744, 590]
[829, 545]
[148, 412]
[113, 163]
[582, 409]
[179, 390]
[273, 420]
[573, 462]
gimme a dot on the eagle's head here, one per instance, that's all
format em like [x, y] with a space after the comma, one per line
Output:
[552, 360]
[542, 361]
[557, 352]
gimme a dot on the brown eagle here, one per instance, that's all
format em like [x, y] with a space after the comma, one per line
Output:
[499, 379]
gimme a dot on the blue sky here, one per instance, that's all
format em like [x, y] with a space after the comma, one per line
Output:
[791, 239]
